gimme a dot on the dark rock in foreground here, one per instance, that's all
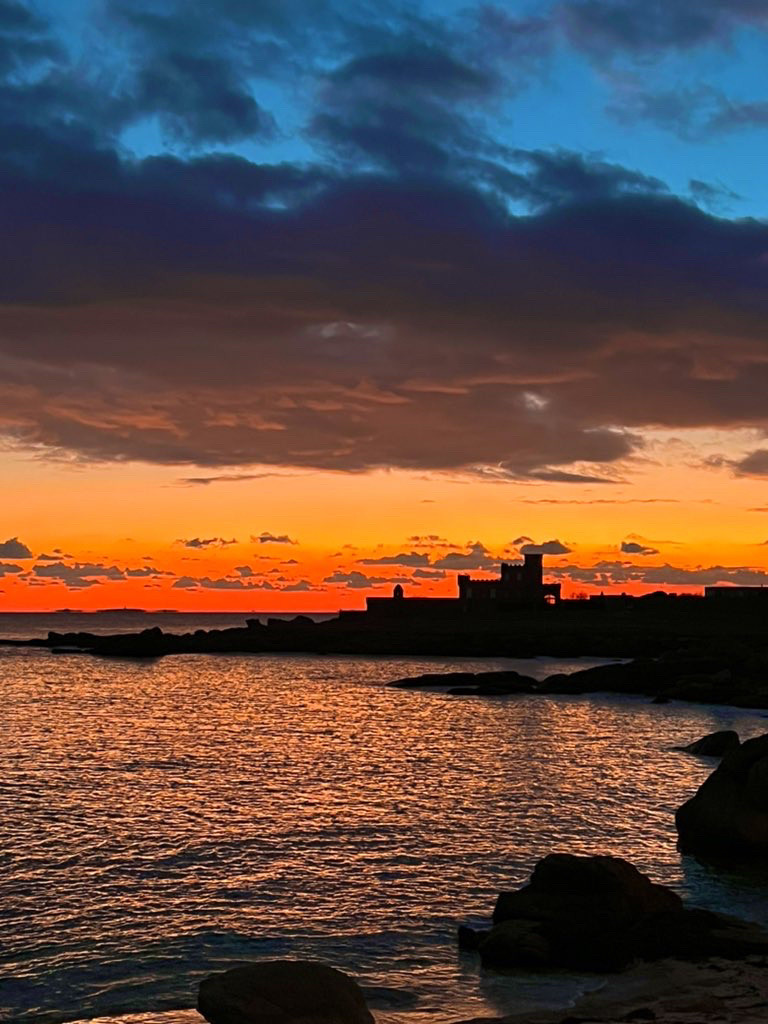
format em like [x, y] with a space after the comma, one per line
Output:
[715, 744]
[728, 816]
[600, 914]
[282, 992]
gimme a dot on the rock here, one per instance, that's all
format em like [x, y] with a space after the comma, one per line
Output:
[728, 816]
[433, 679]
[715, 744]
[470, 938]
[697, 934]
[600, 914]
[282, 992]
[581, 909]
[487, 684]
[517, 943]
[643, 675]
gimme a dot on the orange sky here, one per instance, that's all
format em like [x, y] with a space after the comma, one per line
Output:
[119, 535]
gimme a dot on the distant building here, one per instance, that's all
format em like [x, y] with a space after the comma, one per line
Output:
[722, 593]
[518, 585]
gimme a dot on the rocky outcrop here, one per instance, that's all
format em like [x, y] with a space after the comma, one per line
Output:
[599, 914]
[728, 816]
[715, 744]
[503, 681]
[282, 992]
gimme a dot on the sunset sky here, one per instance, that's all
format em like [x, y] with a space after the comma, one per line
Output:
[304, 298]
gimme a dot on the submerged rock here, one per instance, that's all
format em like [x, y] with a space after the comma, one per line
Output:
[601, 913]
[715, 744]
[282, 992]
[728, 815]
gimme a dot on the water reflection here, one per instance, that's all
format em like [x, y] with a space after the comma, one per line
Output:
[168, 819]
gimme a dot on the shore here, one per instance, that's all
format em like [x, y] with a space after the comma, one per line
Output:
[705, 660]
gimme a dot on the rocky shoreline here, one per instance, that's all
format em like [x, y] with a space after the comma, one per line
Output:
[738, 678]
[707, 671]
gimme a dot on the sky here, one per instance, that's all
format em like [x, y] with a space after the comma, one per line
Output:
[305, 298]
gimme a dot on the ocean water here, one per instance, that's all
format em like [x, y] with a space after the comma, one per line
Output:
[162, 820]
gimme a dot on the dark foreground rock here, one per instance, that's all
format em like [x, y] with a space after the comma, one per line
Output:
[600, 914]
[282, 992]
[715, 744]
[728, 816]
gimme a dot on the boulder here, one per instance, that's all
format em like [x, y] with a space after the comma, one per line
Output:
[601, 913]
[728, 815]
[715, 744]
[282, 992]
[580, 909]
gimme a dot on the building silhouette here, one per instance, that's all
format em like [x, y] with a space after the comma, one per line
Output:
[518, 586]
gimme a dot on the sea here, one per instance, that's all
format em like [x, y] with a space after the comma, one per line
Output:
[162, 820]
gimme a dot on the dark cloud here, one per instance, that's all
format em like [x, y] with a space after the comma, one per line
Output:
[222, 583]
[359, 581]
[9, 569]
[696, 113]
[754, 464]
[644, 28]
[207, 542]
[14, 548]
[272, 538]
[547, 547]
[223, 478]
[384, 305]
[80, 575]
[427, 540]
[25, 39]
[200, 100]
[299, 586]
[381, 387]
[605, 574]
[632, 547]
[411, 558]
[429, 574]
[477, 556]
[522, 540]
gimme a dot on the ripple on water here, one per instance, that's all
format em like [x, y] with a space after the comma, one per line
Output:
[167, 819]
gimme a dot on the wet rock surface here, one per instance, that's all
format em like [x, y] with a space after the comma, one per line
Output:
[728, 815]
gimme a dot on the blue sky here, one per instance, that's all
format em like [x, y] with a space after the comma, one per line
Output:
[610, 98]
